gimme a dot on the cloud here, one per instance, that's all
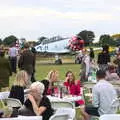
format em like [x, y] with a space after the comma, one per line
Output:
[45, 12]
[34, 18]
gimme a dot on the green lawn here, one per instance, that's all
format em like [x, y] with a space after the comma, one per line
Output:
[42, 70]
[45, 64]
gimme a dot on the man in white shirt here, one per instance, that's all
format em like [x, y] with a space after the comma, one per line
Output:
[103, 95]
[13, 52]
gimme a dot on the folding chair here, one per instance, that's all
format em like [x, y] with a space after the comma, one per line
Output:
[62, 104]
[59, 117]
[115, 105]
[110, 117]
[14, 103]
[69, 111]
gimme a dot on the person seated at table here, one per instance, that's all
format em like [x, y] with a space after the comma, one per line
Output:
[73, 86]
[103, 96]
[111, 74]
[17, 90]
[46, 85]
[52, 78]
[37, 104]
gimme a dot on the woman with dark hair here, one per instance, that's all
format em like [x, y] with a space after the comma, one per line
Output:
[46, 85]
[73, 86]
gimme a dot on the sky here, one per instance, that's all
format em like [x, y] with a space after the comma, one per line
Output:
[32, 19]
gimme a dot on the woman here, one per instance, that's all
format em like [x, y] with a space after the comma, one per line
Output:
[37, 104]
[17, 90]
[5, 71]
[52, 78]
[73, 86]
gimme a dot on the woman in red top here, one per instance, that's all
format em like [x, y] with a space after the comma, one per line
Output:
[73, 86]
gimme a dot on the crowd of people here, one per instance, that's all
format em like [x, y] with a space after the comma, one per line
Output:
[37, 102]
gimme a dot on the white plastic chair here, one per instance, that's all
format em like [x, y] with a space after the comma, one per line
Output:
[59, 117]
[110, 117]
[62, 104]
[12, 102]
[115, 105]
[24, 118]
[69, 111]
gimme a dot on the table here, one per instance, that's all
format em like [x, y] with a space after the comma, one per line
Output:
[66, 98]
[24, 118]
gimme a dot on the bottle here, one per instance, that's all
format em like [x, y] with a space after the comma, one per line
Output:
[61, 94]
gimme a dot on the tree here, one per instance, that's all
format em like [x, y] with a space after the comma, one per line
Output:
[116, 38]
[41, 39]
[9, 40]
[106, 40]
[1, 41]
[87, 36]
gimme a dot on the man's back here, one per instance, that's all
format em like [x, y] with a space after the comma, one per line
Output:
[27, 61]
[103, 95]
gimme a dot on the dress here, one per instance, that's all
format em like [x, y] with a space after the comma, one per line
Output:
[44, 102]
[17, 92]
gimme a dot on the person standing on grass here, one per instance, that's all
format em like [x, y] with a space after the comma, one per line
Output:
[85, 66]
[27, 61]
[13, 52]
[33, 50]
[103, 95]
[5, 71]
[104, 58]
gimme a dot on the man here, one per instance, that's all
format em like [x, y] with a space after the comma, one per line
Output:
[104, 58]
[27, 61]
[103, 95]
[33, 50]
[13, 52]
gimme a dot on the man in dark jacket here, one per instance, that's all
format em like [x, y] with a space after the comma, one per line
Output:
[104, 58]
[27, 61]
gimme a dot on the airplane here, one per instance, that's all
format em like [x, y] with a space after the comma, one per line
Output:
[59, 45]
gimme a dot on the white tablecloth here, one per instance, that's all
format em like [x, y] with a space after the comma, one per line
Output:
[66, 98]
[24, 118]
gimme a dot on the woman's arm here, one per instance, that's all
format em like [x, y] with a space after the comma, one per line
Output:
[38, 110]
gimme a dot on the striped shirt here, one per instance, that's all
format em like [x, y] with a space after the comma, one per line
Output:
[103, 95]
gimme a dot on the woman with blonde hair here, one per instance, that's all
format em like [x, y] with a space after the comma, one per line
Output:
[17, 90]
[52, 77]
[37, 104]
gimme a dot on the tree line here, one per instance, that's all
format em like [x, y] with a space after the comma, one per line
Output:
[86, 35]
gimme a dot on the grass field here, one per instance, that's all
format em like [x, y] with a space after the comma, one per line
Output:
[42, 70]
[45, 64]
